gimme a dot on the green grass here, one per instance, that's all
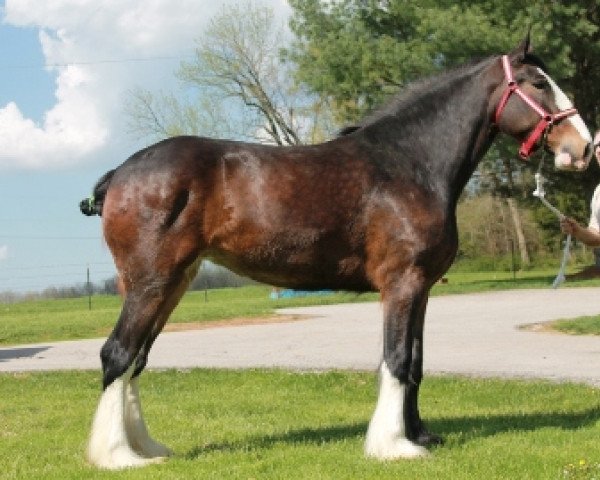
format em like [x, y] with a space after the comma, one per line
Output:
[270, 424]
[579, 326]
[470, 282]
[54, 320]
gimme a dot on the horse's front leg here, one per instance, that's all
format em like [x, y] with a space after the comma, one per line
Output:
[417, 430]
[391, 430]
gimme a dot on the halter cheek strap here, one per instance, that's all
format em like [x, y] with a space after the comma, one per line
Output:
[546, 119]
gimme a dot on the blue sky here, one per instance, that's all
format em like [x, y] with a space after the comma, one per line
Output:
[65, 69]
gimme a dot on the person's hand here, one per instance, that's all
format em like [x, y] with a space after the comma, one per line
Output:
[569, 226]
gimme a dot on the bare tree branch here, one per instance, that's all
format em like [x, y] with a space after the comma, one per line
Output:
[237, 71]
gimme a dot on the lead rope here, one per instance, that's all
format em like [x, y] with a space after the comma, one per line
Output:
[540, 193]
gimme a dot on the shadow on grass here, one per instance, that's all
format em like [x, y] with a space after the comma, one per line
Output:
[466, 428]
[305, 436]
[469, 428]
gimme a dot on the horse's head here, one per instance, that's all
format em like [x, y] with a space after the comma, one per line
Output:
[529, 106]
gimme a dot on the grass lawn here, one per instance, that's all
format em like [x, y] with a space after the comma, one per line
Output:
[271, 424]
[282, 425]
[70, 319]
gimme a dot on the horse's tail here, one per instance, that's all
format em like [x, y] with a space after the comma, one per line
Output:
[93, 204]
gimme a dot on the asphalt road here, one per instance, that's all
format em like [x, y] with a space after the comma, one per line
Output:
[473, 334]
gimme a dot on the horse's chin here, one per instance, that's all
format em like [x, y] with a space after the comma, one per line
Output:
[564, 161]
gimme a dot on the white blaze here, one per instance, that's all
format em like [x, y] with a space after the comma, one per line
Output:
[563, 103]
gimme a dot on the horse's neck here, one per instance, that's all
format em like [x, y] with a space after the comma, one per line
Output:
[457, 133]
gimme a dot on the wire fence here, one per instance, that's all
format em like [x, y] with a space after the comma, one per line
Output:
[56, 279]
[79, 280]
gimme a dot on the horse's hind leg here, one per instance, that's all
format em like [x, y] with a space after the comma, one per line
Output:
[135, 426]
[119, 437]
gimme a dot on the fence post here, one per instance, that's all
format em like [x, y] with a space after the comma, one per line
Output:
[512, 257]
[89, 289]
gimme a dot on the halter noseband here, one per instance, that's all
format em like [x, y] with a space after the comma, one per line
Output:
[546, 120]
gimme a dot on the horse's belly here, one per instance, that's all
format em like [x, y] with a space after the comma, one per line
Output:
[306, 268]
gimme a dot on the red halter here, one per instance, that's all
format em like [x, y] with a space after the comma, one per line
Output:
[546, 120]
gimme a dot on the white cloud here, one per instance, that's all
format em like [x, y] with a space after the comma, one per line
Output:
[80, 39]
[3, 252]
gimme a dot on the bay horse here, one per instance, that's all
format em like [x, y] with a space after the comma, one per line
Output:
[371, 210]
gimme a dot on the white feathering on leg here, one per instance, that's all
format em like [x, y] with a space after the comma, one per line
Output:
[386, 438]
[108, 446]
[135, 426]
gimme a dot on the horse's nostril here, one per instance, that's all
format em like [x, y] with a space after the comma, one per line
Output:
[588, 150]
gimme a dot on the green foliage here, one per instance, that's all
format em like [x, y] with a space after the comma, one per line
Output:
[567, 191]
[385, 45]
[487, 234]
[279, 425]
[486, 230]
[389, 43]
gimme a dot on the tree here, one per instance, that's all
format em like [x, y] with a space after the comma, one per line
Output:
[244, 89]
[388, 43]
[486, 229]
[165, 115]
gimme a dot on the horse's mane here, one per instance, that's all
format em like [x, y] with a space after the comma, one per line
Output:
[415, 91]
[533, 59]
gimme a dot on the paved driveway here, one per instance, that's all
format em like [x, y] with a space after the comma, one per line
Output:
[474, 334]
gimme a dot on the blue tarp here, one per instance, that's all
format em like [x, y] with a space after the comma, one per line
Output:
[277, 294]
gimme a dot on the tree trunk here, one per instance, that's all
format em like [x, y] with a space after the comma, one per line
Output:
[597, 257]
[516, 218]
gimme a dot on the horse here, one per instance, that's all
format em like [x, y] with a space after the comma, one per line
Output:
[373, 209]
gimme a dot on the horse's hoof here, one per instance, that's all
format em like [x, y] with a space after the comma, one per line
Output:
[427, 439]
[121, 458]
[153, 449]
[394, 449]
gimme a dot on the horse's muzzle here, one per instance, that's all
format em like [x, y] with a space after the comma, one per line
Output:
[567, 160]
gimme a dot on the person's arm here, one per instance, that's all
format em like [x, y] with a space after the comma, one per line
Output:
[587, 235]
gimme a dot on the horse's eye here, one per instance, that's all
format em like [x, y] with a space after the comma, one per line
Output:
[540, 84]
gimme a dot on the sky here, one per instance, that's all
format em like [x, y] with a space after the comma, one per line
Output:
[66, 67]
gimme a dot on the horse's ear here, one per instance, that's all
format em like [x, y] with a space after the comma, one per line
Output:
[523, 49]
[527, 47]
